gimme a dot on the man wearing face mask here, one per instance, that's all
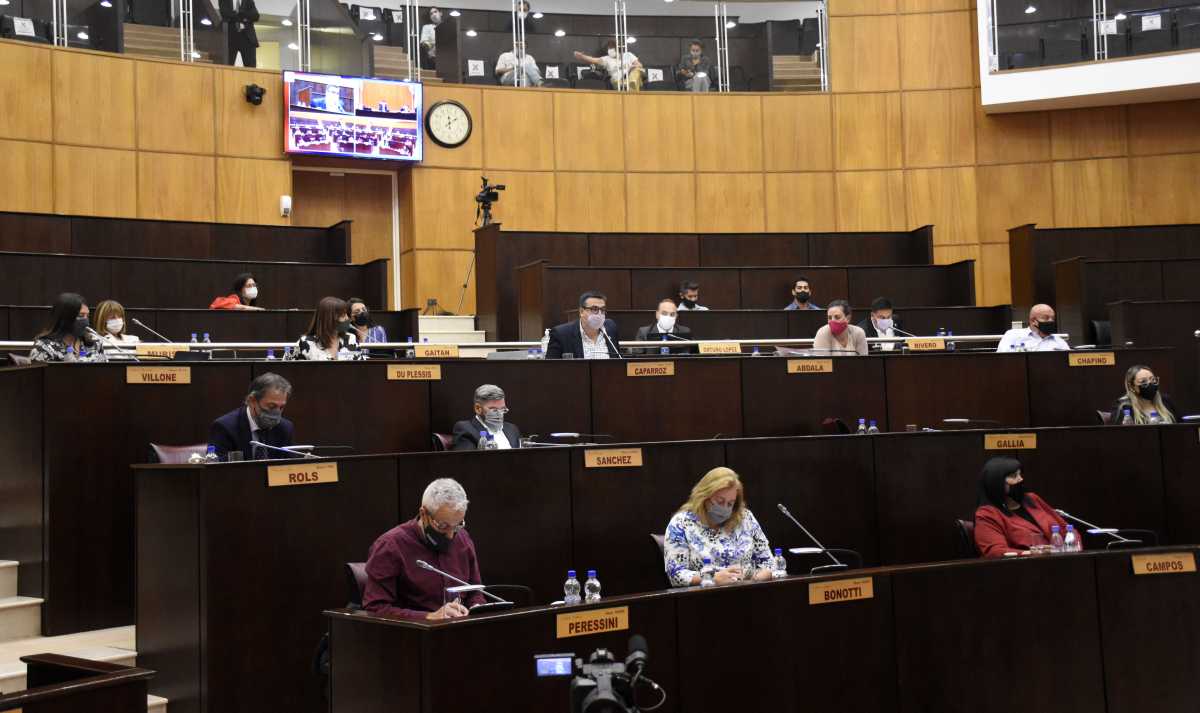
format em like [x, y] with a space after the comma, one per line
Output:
[490, 409]
[259, 419]
[1039, 336]
[689, 297]
[397, 586]
[429, 39]
[594, 336]
[802, 295]
[664, 324]
[694, 69]
[880, 323]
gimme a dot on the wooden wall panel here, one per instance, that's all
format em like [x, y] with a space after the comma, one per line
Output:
[1013, 195]
[408, 283]
[797, 132]
[944, 198]
[93, 100]
[993, 272]
[864, 54]
[470, 154]
[1011, 138]
[318, 199]
[1088, 133]
[440, 221]
[800, 202]
[730, 202]
[947, 254]
[861, 7]
[248, 190]
[528, 203]
[914, 6]
[729, 134]
[868, 131]
[94, 181]
[1165, 189]
[1091, 193]
[175, 108]
[176, 187]
[659, 132]
[244, 129]
[25, 92]
[439, 274]
[939, 128]
[25, 174]
[369, 205]
[935, 51]
[870, 200]
[590, 202]
[1168, 127]
[518, 130]
[578, 146]
[660, 202]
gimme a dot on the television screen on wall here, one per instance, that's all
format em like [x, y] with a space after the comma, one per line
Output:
[352, 117]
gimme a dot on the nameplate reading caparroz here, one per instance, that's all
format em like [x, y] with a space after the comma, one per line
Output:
[1091, 359]
[414, 372]
[158, 350]
[613, 458]
[810, 366]
[650, 368]
[596, 621]
[841, 590]
[301, 474]
[436, 351]
[1009, 441]
[932, 344]
[1164, 563]
[158, 375]
[720, 347]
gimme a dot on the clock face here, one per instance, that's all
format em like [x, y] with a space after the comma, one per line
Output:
[448, 124]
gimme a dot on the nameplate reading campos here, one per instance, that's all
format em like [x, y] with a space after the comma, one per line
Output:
[841, 590]
[436, 351]
[1009, 441]
[301, 474]
[596, 621]
[158, 350]
[925, 345]
[414, 372]
[158, 375]
[613, 458]
[650, 368]
[1091, 359]
[1164, 563]
[720, 347]
[810, 366]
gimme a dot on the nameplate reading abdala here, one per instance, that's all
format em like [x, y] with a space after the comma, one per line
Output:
[1091, 359]
[160, 375]
[414, 372]
[841, 590]
[930, 344]
[613, 458]
[436, 351]
[1164, 563]
[301, 474]
[810, 366]
[596, 621]
[650, 368]
[1009, 441]
[720, 347]
[159, 350]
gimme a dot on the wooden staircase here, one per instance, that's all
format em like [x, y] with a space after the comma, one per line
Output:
[392, 63]
[795, 73]
[156, 41]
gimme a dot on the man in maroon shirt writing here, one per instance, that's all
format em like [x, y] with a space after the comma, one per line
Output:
[397, 586]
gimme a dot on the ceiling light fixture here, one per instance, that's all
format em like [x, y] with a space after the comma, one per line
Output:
[203, 21]
[286, 22]
[471, 33]
[81, 35]
[560, 33]
[103, 3]
[538, 15]
[630, 40]
[293, 47]
[730, 25]
[1030, 10]
[377, 37]
[1120, 16]
[455, 13]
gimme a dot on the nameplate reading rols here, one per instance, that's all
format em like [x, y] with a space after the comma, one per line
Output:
[650, 368]
[159, 350]
[1164, 563]
[613, 458]
[596, 621]
[930, 344]
[1091, 359]
[841, 590]
[158, 375]
[414, 372]
[810, 366]
[720, 347]
[301, 474]
[436, 351]
[1009, 441]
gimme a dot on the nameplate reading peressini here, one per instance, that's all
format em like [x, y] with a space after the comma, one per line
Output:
[301, 474]
[1164, 563]
[414, 372]
[650, 368]
[158, 375]
[436, 351]
[841, 590]
[810, 366]
[596, 621]
[158, 350]
[1091, 359]
[929, 344]
[720, 347]
[1009, 441]
[613, 458]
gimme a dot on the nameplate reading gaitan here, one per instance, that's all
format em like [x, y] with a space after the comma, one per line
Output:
[650, 368]
[596, 621]
[158, 350]
[301, 474]
[720, 347]
[841, 590]
[158, 375]
[931, 344]
[1164, 563]
[810, 366]
[613, 458]
[436, 351]
[1091, 359]
[414, 372]
[1009, 441]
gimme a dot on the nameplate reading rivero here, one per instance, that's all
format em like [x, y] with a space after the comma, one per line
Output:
[301, 474]
[925, 345]
[158, 375]
[1164, 563]
[1091, 359]
[596, 621]
[414, 372]
[720, 347]
[841, 590]
[158, 350]
[613, 458]
[650, 368]
[810, 366]
[436, 351]
[1009, 441]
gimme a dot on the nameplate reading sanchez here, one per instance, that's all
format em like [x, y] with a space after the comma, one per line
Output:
[1164, 563]
[1091, 359]
[841, 590]
[414, 372]
[158, 350]
[926, 345]
[810, 366]
[1009, 441]
[301, 474]
[436, 351]
[720, 347]
[650, 368]
[613, 458]
[596, 621]
[158, 375]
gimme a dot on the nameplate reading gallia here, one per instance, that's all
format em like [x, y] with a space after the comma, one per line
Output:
[613, 458]
[841, 590]
[161, 375]
[1164, 563]
[414, 372]
[1009, 441]
[596, 621]
[301, 474]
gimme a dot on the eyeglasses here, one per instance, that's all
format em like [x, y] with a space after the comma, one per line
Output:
[500, 411]
[594, 310]
[443, 527]
[1147, 382]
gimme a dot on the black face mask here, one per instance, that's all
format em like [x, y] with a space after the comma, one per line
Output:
[1148, 391]
[687, 303]
[362, 319]
[1048, 327]
[1017, 492]
[437, 541]
[344, 327]
[79, 327]
[802, 297]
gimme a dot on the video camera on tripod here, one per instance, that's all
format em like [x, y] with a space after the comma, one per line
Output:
[489, 195]
[603, 684]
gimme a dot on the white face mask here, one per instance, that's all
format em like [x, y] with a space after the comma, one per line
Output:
[666, 322]
[595, 321]
[612, 53]
[251, 293]
[114, 326]
[883, 324]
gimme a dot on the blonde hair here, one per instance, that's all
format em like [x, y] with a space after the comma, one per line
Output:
[106, 310]
[1131, 396]
[714, 481]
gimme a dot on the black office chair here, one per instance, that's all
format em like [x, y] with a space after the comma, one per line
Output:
[1104, 417]
[663, 79]
[965, 529]
[1150, 41]
[834, 426]
[356, 584]
[1101, 332]
[15, 359]
[660, 551]
[175, 455]
[442, 441]
[518, 594]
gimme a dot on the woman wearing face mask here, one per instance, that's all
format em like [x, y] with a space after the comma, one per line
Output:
[245, 295]
[365, 328]
[615, 66]
[1142, 398]
[329, 333]
[67, 331]
[1009, 517]
[839, 337]
[715, 523]
[109, 320]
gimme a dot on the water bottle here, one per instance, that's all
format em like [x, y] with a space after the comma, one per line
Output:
[206, 339]
[950, 344]
[779, 565]
[571, 589]
[1126, 416]
[531, 354]
[1155, 417]
[941, 331]
[287, 352]
[664, 349]
[70, 355]
[756, 352]
[83, 354]
[872, 429]
[708, 574]
[271, 355]
[1056, 539]
[410, 353]
[546, 341]
[862, 426]
[211, 455]
[591, 588]
[483, 441]
[344, 354]
[1071, 542]
[194, 340]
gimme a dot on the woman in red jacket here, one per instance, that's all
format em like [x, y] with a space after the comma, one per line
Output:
[1009, 518]
[245, 294]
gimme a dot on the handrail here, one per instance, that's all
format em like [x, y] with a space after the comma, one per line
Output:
[104, 675]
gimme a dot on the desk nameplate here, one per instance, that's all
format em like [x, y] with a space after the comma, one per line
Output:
[612, 458]
[596, 621]
[1009, 441]
[841, 590]
[1091, 359]
[925, 344]
[414, 372]
[810, 366]
[436, 351]
[720, 347]
[1164, 563]
[301, 474]
[158, 375]
[650, 368]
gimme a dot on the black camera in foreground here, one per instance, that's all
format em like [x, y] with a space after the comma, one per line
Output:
[603, 684]
[486, 197]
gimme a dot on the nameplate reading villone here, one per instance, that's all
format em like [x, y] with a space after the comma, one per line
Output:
[841, 590]
[1009, 441]
[613, 458]
[301, 474]
[158, 375]
[596, 621]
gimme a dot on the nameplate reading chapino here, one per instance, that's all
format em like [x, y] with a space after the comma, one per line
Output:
[158, 350]
[301, 474]
[932, 344]
[841, 590]
[613, 458]
[158, 375]
[1164, 563]
[596, 621]
[650, 368]
[436, 351]
[414, 372]
[720, 347]
[810, 366]
[1009, 441]
[1091, 359]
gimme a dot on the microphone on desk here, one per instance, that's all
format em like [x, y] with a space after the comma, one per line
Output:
[307, 448]
[142, 324]
[611, 343]
[901, 331]
[1119, 540]
[281, 449]
[572, 434]
[425, 565]
[837, 564]
[674, 336]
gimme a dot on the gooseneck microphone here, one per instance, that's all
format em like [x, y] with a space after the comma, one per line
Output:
[291, 451]
[837, 564]
[610, 341]
[425, 565]
[1112, 532]
[142, 324]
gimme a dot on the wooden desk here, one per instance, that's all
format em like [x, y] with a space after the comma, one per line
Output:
[65, 684]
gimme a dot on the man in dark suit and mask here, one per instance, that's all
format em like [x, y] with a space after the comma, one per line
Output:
[666, 329]
[239, 17]
[490, 409]
[260, 419]
[592, 337]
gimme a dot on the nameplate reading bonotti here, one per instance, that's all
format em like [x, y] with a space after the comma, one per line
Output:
[841, 590]
[613, 458]
[414, 372]
[596, 621]
[301, 474]
[158, 375]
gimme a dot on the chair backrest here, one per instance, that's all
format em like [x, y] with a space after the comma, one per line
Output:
[658, 541]
[1102, 332]
[356, 583]
[1105, 417]
[18, 359]
[660, 552]
[442, 441]
[518, 594]
[965, 530]
[173, 455]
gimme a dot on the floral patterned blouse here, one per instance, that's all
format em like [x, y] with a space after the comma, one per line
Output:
[688, 541]
[48, 349]
[308, 348]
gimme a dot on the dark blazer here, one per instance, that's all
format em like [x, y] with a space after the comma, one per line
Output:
[231, 432]
[869, 327]
[565, 338]
[650, 332]
[466, 434]
[247, 14]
